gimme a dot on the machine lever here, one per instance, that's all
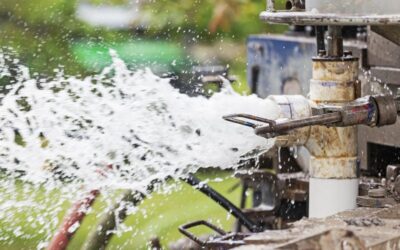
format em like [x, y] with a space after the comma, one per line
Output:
[370, 111]
[276, 128]
[235, 119]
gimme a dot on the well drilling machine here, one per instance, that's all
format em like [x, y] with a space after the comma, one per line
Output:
[332, 178]
[336, 158]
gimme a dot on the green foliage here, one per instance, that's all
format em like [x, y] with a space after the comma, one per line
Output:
[233, 18]
[42, 31]
[158, 216]
[109, 2]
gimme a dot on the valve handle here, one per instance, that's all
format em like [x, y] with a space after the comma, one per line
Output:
[369, 110]
[235, 119]
[274, 128]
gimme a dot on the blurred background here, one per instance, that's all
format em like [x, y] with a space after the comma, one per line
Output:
[170, 37]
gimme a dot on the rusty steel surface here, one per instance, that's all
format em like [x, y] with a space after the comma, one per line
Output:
[332, 142]
[285, 127]
[333, 152]
[339, 70]
[333, 167]
[334, 81]
[387, 110]
[324, 91]
[310, 18]
[362, 228]
[333, 149]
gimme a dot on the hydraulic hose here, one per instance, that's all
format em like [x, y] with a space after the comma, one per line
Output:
[223, 202]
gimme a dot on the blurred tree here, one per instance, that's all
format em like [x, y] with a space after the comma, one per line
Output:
[109, 2]
[225, 11]
[42, 31]
[233, 18]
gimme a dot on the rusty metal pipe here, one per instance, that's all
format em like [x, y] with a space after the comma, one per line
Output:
[333, 150]
[319, 34]
[284, 127]
[335, 41]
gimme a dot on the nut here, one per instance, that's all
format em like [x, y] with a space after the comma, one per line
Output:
[377, 193]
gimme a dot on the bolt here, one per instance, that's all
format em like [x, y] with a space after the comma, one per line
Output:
[347, 53]
[322, 53]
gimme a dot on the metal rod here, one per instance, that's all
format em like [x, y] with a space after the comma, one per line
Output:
[184, 230]
[281, 128]
[335, 41]
[320, 35]
[223, 202]
[235, 118]
[243, 199]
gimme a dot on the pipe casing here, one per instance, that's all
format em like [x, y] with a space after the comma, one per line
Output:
[333, 150]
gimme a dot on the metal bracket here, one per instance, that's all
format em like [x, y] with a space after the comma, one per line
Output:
[274, 129]
[225, 241]
[184, 230]
[235, 118]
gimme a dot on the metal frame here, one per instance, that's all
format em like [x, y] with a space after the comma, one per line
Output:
[310, 18]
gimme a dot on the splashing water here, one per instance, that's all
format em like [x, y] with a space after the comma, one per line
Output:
[58, 134]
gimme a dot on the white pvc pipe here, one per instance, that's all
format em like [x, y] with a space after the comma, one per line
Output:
[331, 196]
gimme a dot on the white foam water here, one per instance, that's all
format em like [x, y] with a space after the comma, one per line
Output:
[57, 134]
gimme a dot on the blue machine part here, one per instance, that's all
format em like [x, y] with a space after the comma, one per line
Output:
[279, 64]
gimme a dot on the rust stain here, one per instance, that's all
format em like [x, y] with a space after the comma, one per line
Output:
[332, 142]
[335, 70]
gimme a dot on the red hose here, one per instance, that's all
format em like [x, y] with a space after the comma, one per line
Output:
[76, 214]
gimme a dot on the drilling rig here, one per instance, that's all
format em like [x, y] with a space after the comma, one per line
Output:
[332, 180]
